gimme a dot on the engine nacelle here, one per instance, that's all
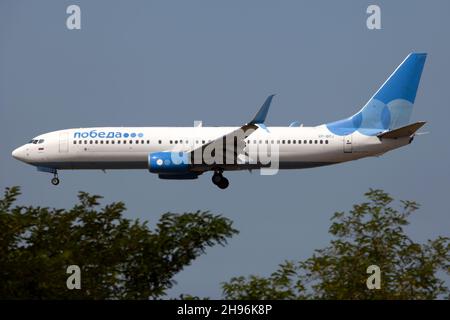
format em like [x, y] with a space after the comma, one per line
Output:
[178, 176]
[168, 162]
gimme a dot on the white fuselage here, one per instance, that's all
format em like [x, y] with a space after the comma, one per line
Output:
[129, 147]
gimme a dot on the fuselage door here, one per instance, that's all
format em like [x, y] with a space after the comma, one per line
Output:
[348, 145]
[64, 142]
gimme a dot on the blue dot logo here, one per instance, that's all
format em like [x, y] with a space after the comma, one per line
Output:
[126, 135]
[133, 135]
[140, 135]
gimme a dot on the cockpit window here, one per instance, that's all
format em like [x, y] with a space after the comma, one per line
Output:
[36, 141]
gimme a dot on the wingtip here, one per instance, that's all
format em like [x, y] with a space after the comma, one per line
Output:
[260, 117]
[418, 54]
[270, 97]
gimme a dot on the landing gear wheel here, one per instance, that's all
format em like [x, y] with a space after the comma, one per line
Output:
[216, 178]
[55, 181]
[219, 180]
[223, 183]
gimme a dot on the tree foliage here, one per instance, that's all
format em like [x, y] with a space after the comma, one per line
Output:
[372, 233]
[119, 258]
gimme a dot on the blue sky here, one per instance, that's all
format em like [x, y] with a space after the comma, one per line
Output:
[145, 63]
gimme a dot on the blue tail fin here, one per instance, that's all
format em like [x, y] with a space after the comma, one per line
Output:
[391, 106]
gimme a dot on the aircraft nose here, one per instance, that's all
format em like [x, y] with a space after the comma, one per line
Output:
[19, 154]
[15, 153]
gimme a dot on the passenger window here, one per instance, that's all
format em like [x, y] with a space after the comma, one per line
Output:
[118, 141]
[112, 141]
[107, 141]
[96, 141]
[170, 141]
[305, 141]
[326, 141]
[203, 141]
[299, 141]
[41, 141]
[74, 142]
[321, 141]
[148, 141]
[294, 141]
[124, 141]
[131, 141]
[101, 141]
[283, 141]
[310, 141]
[289, 141]
[90, 141]
[85, 141]
[159, 141]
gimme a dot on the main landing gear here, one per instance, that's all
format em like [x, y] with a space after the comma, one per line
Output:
[55, 180]
[219, 180]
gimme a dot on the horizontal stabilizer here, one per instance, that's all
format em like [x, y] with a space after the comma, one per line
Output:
[405, 131]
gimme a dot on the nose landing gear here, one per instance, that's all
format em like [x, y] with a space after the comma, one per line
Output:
[219, 180]
[55, 180]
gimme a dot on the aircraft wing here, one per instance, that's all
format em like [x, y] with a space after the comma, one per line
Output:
[230, 147]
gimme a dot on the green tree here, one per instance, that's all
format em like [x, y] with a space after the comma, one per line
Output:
[119, 258]
[372, 233]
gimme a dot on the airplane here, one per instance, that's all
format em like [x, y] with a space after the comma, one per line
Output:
[185, 153]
